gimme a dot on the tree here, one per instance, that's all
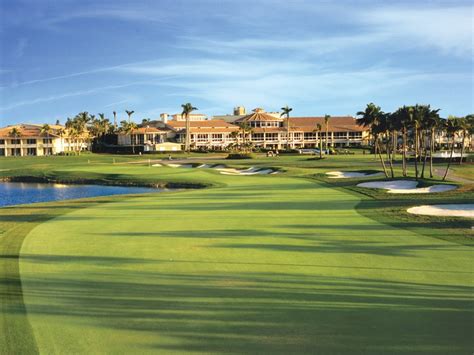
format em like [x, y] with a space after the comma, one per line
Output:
[401, 119]
[369, 117]
[326, 122]
[15, 133]
[452, 125]
[187, 109]
[372, 117]
[286, 112]
[46, 129]
[128, 128]
[61, 132]
[465, 128]
[129, 113]
[115, 120]
[318, 129]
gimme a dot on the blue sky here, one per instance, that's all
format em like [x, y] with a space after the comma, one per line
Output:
[58, 58]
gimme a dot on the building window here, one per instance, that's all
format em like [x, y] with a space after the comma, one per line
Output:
[2, 141]
[309, 135]
[31, 151]
[297, 136]
[271, 136]
[48, 151]
[2, 152]
[202, 137]
[217, 136]
[31, 141]
[340, 135]
[47, 140]
[257, 136]
[15, 152]
[137, 139]
[15, 141]
[355, 135]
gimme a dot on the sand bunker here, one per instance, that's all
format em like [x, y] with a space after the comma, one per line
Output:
[180, 165]
[249, 171]
[349, 174]
[223, 169]
[405, 187]
[460, 210]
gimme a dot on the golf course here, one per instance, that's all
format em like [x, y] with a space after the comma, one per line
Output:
[291, 262]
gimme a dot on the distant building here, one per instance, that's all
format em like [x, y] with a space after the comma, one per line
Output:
[192, 117]
[29, 140]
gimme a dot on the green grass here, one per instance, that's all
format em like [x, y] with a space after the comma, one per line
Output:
[289, 263]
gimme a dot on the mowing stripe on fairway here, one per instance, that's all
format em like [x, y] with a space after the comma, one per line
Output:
[268, 264]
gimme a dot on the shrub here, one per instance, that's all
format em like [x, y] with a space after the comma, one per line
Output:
[240, 156]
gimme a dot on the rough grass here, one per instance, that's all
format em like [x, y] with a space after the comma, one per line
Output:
[258, 264]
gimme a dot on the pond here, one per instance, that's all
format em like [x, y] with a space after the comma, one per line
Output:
[16, 193]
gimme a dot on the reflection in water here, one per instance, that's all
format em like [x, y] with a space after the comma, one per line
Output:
[15, 193]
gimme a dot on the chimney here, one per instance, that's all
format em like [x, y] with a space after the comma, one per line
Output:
[164, 117]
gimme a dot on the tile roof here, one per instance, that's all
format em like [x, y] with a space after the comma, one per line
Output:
[208, 126]
[258, 116]
[335, 124]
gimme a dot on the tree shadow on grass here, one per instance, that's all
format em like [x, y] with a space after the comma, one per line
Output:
[259, 312]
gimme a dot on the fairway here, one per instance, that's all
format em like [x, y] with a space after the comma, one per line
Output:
[256, 264]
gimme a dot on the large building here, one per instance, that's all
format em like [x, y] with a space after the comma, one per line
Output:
[32, 139]
[266, 130]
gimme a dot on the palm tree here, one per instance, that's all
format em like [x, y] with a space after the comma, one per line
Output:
[187, 109]
[401, 120]
[386, 128]
[452, 125]
[369, 117]
[46, 129]
[15, 133]
[115, 120]
[326, 122]
[61, 132]
[128, 128]
[318, 129]
[286, 112]
[129, 113]
[372, 117]
[464, 127]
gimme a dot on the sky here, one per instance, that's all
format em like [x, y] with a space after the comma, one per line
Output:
[62, 57]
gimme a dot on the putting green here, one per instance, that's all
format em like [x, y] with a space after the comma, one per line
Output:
[266, 264]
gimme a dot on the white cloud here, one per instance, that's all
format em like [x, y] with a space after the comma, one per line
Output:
[449, 29]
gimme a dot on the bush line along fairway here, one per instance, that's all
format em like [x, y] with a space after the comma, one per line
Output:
[275, 264]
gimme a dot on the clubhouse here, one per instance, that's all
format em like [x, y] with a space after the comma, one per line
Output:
[265, 130]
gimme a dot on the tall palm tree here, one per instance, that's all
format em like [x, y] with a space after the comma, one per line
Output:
[128, 128]
[286, 112]
[187, 109]
[370, 117]
[326, 122]
[129, 113]
[464, 127]
[61, 132]
[452, 125]
[46, 129]
[318, 129]
[386, 128]
[15, 133]
[115, 120]
[146, 124]
[401, 120]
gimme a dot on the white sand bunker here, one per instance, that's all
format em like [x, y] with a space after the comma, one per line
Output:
[460, 210]
[405, 187]
[223, 169]
[349, 174]
[180, 165]
[249, 171]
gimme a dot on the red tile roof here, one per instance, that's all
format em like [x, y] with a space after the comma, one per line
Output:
[335, 124]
